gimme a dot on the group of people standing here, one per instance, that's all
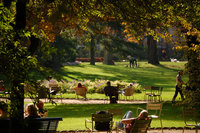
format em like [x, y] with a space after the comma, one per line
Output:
[132, 61]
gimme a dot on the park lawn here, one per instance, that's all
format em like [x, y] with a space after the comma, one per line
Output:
[74, 115]
[146, 74]
[163, 75]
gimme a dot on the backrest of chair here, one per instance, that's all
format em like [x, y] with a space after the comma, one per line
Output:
[116, 112]
[155, 90]
[140, 126]
[102, 121]
[57, 89]
[102, 117]
[147, 87]
[42, 125]
[157, 107]
[80, 91]
[53, 83]
[129, 91]
[189, 115]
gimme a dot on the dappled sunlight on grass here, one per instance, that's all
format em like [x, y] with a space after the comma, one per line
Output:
[144, 74]
[74, 115]
[163, 75]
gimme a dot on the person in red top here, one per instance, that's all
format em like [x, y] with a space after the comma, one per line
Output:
[2, 86]
[81, 86]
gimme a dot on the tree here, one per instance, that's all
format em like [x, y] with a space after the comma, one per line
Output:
[92, 50]
[19, 41]
[26, 24]
[61, 51]
[17, 61]
[152, 51]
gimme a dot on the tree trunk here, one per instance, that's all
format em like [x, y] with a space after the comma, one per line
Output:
[17, 107]
[17, 95]
[20, 14]
[152, 51]
[92, 50]
[108, 58]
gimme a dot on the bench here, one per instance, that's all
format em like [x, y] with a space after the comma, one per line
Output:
[42, 125]
[36, 125]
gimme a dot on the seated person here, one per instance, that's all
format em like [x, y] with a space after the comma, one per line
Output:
[2, 86]
[31, 112]
[102, 126]
[31, 126]
[81, 86]
[3, 110]
[128, 121]
[52, 83]
[128, 87]
[112, 92]
[42, 112]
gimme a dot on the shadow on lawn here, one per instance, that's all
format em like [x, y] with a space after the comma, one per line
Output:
[169, 111]
[155, 76]
[172, 69]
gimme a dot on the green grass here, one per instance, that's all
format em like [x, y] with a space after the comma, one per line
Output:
[144, 74]
[163, 75]
[74, 115]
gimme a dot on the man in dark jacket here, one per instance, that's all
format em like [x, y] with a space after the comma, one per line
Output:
[112, 92]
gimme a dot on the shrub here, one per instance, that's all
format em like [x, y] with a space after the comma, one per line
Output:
[138, 88]
[96, 86]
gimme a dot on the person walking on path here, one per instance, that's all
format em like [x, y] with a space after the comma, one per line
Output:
[179, 83]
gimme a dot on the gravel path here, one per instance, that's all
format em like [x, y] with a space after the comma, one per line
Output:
[88, 101]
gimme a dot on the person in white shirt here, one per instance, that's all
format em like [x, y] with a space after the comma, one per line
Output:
[179, 83]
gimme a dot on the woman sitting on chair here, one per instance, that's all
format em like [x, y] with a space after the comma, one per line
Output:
[81, 86]
[128, 121]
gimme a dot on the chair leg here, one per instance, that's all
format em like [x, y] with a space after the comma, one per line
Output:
[196, 130]
[161, 125]
[155, 98]
[61, 99]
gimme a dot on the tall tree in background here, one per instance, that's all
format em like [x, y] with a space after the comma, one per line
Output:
[92, 50]
[152, 51]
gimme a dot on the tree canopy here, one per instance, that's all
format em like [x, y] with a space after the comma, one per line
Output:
[28, 25]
